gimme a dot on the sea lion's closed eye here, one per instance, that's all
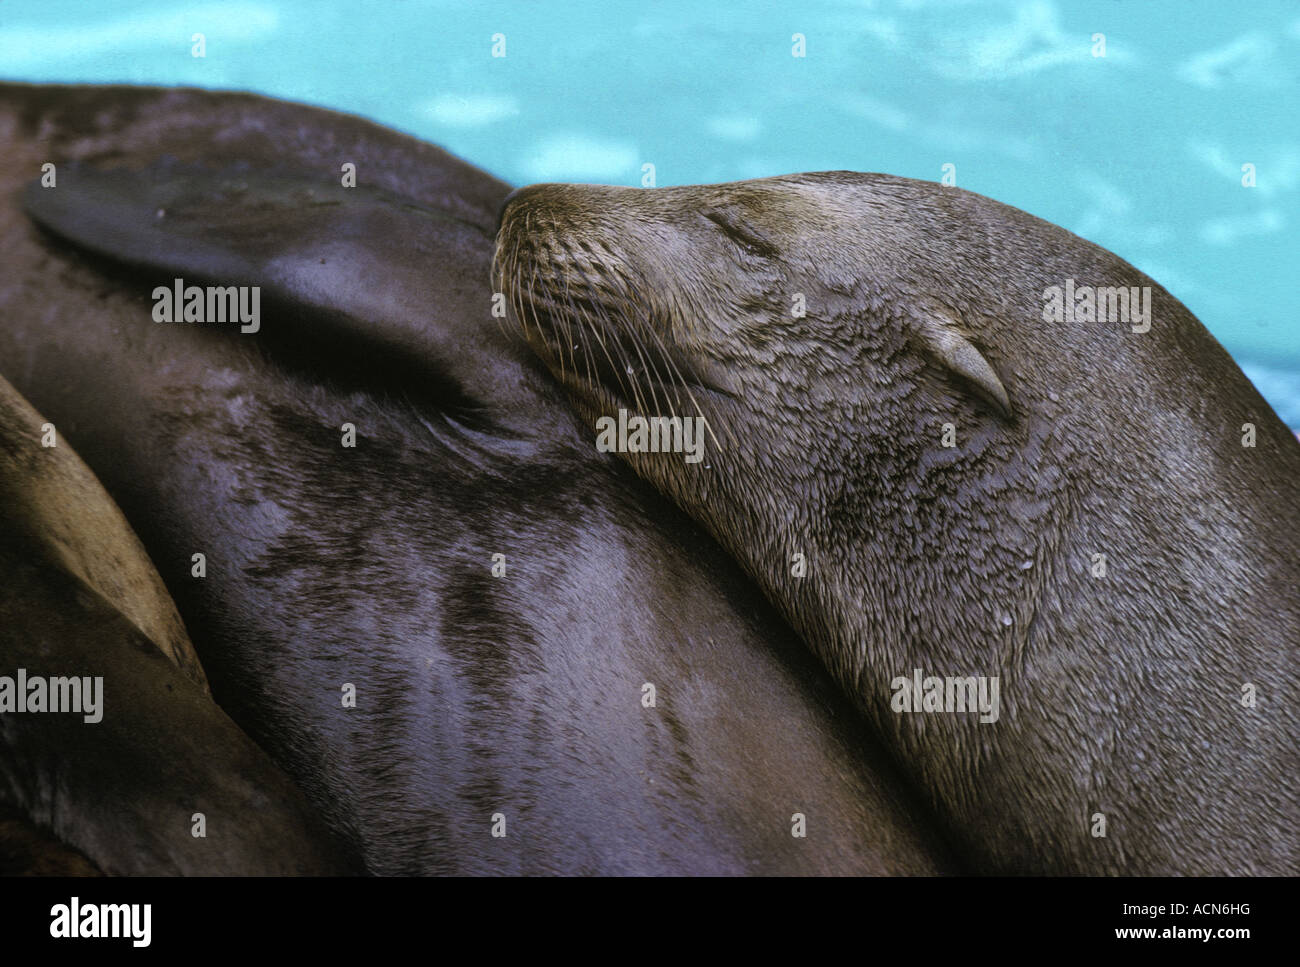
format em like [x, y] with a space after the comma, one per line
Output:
[735, 227]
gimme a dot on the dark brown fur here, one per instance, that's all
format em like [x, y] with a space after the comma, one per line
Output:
[371, 566]
[79, 597]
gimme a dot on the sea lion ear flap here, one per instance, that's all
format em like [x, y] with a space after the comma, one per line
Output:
[949, 347]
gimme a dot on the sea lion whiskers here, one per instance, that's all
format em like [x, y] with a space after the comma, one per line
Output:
[558, 290]
[628, 311]
[504, 266]
[588, 299]
[635, 297]
[605, 320]
[588, 332]
[638, 313]
[682, 382]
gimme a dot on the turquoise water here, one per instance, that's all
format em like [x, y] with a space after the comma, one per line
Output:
[1140, 150]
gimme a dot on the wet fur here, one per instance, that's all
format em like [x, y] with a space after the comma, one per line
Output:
[79, 597]
[371, 566]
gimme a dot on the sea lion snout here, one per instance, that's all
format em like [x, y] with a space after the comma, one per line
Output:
[587, 271]
[520, 195]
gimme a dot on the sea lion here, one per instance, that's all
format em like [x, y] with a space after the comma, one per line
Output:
[521, 694]
[1065, 507]
[110, 745]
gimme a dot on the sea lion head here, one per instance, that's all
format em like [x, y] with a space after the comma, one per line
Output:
[806, 319]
